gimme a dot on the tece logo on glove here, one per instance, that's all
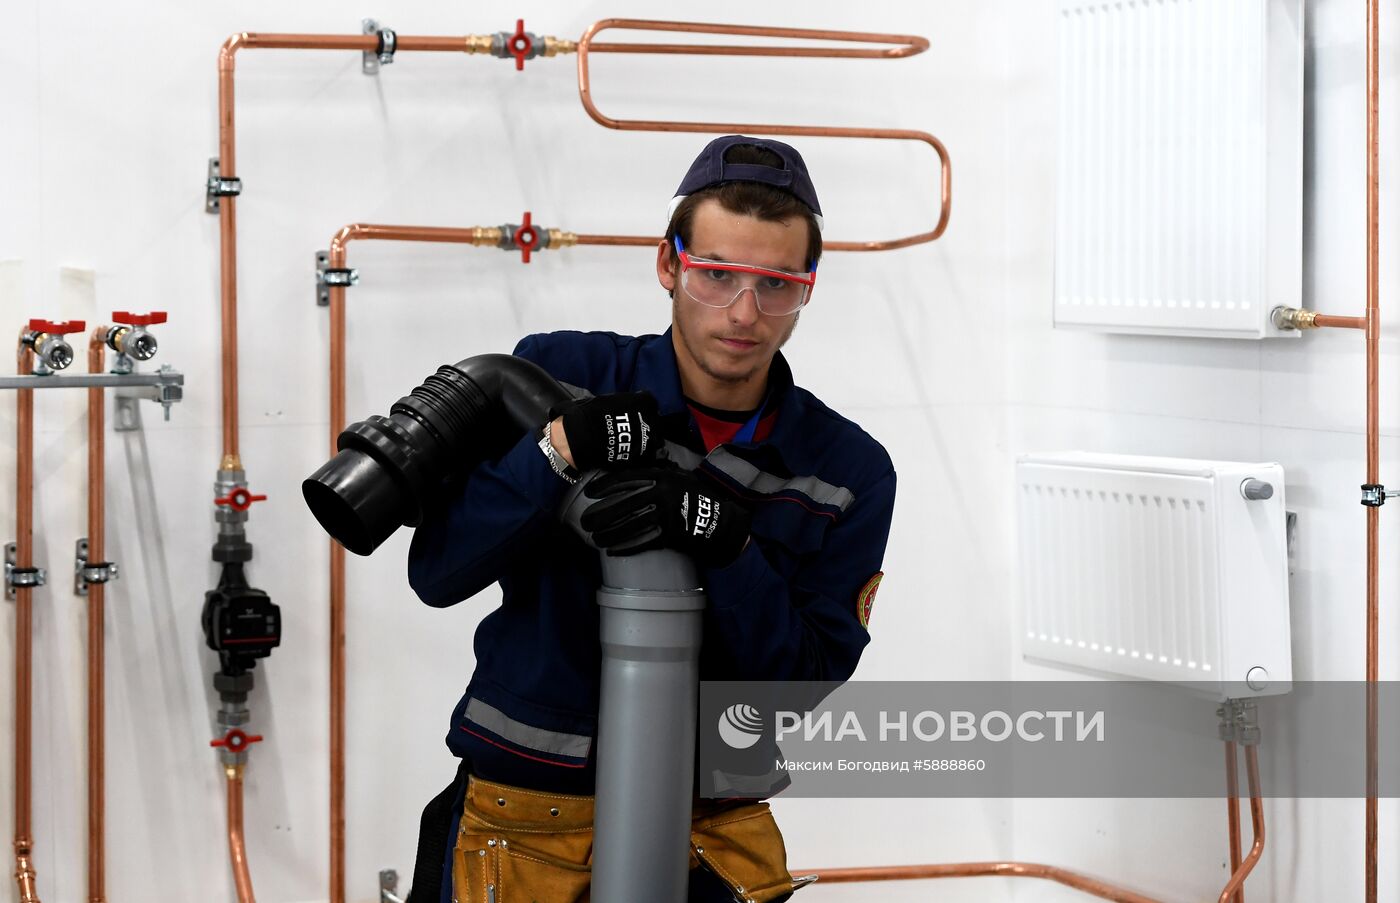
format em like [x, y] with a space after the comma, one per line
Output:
[703, 509]
[622, 438]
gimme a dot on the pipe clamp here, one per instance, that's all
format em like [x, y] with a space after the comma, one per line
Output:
[17, 577]
[383, 53]
[216, 186]
[86, 572]
[1373, 495]
[328, 277]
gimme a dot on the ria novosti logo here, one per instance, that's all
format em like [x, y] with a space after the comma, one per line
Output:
[740, 726]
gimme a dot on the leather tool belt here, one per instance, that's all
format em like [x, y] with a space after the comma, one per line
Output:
[519, 846]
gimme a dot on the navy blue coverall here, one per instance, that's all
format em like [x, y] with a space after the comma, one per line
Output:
[821, 492]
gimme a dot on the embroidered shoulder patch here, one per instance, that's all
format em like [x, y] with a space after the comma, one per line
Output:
[865, 599]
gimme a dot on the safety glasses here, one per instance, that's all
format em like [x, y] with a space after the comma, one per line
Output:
[718, 283]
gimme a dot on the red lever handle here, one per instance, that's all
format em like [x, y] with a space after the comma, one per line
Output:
[129, 319]
[527, 238]
[58, 327]
[240, 499]
[236, 741]
[520, 44]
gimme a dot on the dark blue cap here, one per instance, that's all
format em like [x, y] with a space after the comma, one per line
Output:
[709, 169]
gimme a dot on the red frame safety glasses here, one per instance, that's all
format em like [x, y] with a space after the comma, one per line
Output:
[718, 283]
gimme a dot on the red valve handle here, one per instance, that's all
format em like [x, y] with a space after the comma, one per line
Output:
[129, 319]
[236, 741]
[57, 327]
[520, 45]
[527, 238]
[240, 499]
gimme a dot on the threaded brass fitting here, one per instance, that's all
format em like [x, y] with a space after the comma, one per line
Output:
[554, 46]
[558, 238]
[1294, 318]
[486, 236]
[478, 43]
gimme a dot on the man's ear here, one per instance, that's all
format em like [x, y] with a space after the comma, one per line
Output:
[665, 270]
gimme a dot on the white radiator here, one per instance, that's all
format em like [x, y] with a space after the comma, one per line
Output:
[1155, 569]
[1180, 166]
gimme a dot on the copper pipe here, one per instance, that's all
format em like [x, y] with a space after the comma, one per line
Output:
[237, 853]
[1232, 808]
[1092, 886]
[908, 44]
[97, 729]
[1256, 815]
[337, 583]
[1373, 441]
[228, 206]
[24, 631]
[723, 128]
[636, 241]
[1325, 320]
[914, 45]
[228, 258]
[481, 236]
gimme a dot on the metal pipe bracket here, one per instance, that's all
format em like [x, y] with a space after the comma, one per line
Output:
[216, 186]
[87, 572]
[16, 576]
[389, 886]
[1373, 495]
[328, 276]
[383, 54]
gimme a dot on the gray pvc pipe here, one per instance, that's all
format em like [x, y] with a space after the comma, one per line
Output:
[651, 631]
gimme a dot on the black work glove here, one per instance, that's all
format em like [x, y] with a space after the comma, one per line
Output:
[611, 430]
[665, 508]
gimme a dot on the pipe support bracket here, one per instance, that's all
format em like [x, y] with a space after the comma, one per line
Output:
[328, 277]
[216, 186]
[389, 886]
[86, 572]
[381, 55]
[1373, 495]
[17, 577]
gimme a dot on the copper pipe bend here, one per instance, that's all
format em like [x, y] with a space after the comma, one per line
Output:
[238, 854]
[1256, 813]
[1093, 886]
[585, 44]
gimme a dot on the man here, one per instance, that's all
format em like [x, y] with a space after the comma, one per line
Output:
[784, 505]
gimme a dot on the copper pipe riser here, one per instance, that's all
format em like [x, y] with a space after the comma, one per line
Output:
[1373, 339]
[337, 574]
[1256, 814]
[24, 873]
[238, 854]
[96, 667]
[1232, 808]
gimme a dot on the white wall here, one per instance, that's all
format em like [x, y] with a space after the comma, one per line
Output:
[1299, 402]
[943, 351]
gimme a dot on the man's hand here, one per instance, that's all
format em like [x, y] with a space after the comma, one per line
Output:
[615, 430]
[665, 507]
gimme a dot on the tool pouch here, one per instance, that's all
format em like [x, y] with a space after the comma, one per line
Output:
[522, 846]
